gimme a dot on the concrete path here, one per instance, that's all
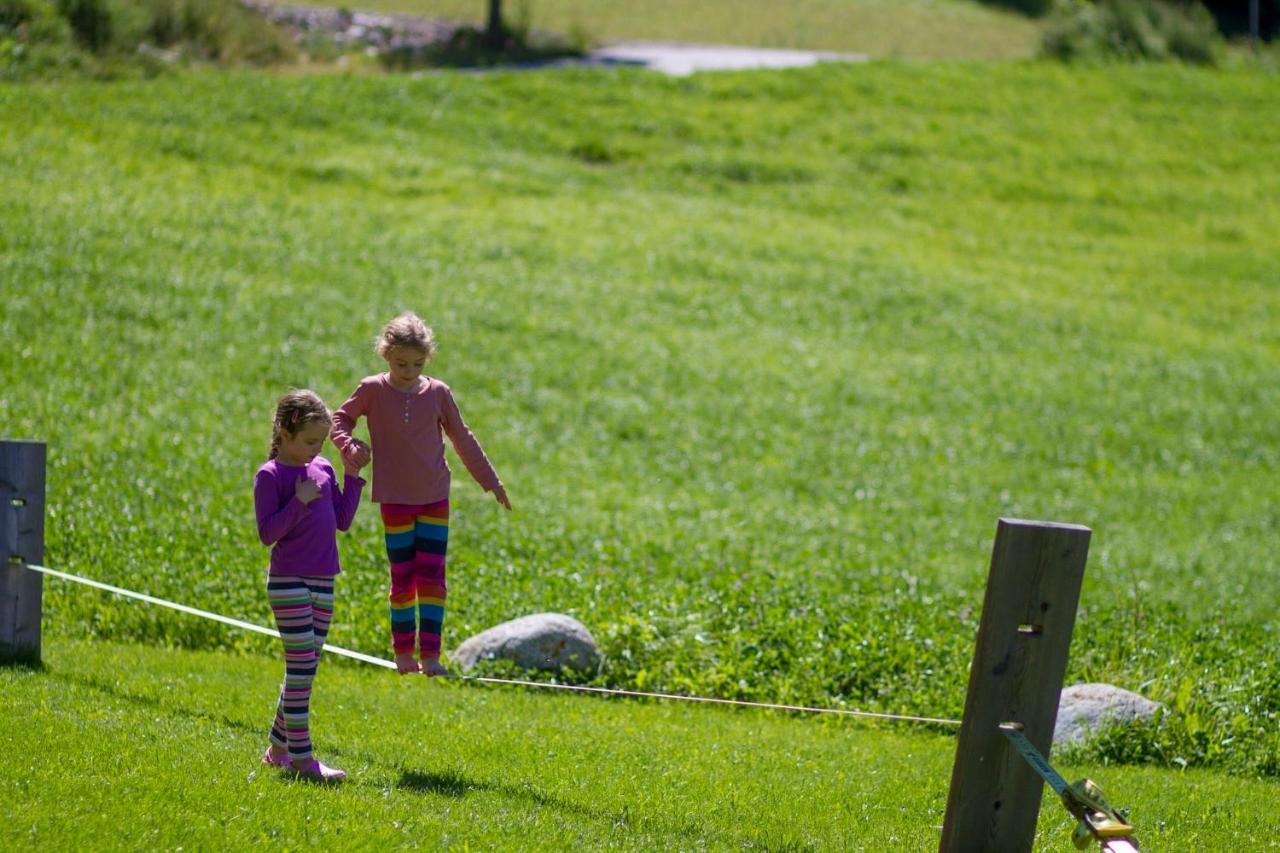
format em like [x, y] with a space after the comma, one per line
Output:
[681, 59]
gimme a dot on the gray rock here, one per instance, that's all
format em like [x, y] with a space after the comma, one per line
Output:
[354, 29]
[540, 641]
[1084, 708]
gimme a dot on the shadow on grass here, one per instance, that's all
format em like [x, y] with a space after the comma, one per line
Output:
[450, 783]
[28, 664]
[112, 689]
[446, 783]
[470, 47]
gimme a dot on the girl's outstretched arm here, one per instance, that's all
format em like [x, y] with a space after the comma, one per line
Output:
[469, 450]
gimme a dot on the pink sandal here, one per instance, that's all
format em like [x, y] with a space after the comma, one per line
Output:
[318, 772]
[282, 761]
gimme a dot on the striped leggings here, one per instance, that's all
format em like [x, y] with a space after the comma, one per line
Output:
[302, 607]
[417, 542]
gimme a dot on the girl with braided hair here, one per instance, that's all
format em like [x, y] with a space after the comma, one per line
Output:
[300, 507]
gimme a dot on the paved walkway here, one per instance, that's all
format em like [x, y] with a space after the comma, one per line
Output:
[681, 59]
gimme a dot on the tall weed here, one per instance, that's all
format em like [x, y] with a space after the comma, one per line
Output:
[1133, 30]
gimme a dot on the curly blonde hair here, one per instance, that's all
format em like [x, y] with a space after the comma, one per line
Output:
[407, 330]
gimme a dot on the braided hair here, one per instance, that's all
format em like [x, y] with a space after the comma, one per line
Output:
[293, 412]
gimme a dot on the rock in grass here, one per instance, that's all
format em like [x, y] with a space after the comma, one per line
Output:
[540, 641]
[1085, 708]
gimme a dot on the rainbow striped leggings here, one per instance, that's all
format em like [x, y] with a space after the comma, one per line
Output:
[417, 542]
[303, 607]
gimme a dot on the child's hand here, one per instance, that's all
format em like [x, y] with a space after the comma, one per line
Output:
[307, 490]
[501, 494]
[357, 454]
[354, 459]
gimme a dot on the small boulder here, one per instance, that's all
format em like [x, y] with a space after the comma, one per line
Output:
[1085, 708]
[541, 641]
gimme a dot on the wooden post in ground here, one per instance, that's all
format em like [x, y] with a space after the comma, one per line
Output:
[21, 542]
[1018, 666]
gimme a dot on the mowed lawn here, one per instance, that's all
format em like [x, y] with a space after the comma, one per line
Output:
[761, 358]
[908, 29]
[118, 747]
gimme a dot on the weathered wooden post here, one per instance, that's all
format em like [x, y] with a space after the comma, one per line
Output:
[1018, 665]
[21, 542]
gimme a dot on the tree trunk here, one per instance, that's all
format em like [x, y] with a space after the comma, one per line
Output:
[494, 30]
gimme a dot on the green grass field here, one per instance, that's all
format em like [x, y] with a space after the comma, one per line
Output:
[909, 29]
[760, 356]
[125, 747]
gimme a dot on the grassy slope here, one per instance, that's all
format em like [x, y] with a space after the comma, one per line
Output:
[915, 29]
[761, 356]
[122, 747]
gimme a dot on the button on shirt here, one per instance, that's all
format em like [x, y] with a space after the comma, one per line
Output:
[406, 430]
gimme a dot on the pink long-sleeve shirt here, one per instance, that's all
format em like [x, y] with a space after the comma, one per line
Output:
[406, 431]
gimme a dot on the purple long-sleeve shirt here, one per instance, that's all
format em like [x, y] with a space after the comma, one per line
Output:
[304, 536]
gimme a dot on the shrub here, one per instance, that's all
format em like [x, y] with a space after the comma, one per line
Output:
[32, 20]
[1032, 8]
[1132, 30]
[36, 41]
[42, 37]
[90, 20]
[221, 31]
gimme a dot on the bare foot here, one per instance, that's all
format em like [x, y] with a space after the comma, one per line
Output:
[406, 663]
[432, 667]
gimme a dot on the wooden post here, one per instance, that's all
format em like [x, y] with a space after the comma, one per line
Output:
[21, 542]
[1018, 666]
